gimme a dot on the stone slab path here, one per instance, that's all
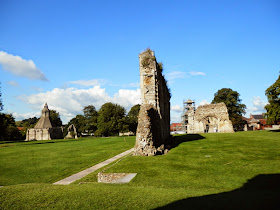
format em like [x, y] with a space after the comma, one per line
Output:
[74, 177]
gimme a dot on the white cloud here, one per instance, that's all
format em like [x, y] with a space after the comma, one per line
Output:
[37, 89]
[180, 75]
[70, 101]
[23, 116]
[99, 82]
[175, 75]
[258, 105]
[177, 108]
[175, 117]
[93, 82]
[129, 85]
[13, 83]
[127, 98]
[175, 113]
[204, 102]
[134, 84]
[20, 67]
[196, 73]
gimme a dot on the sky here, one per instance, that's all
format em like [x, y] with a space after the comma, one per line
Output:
[71, 54]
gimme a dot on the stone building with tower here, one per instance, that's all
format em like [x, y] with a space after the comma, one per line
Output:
[43, 129]
[209, 118]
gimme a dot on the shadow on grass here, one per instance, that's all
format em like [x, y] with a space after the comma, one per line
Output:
[275, 130]
[177, 140]
[56, 141]
[260, 192]
[40, 141]
[8, 142]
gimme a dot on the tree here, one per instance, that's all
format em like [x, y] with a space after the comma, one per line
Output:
[30, 122]
[110, 119]
[1, 103]
[273, 108]
[26, 123]
[233, 104]
[132, 118]
[90, 115]
[55, 118]
[9, 131]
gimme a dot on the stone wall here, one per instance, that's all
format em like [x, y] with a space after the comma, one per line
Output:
[72, 133]
[211, 118]
[153, 131]
[44, 134]
[38, 134]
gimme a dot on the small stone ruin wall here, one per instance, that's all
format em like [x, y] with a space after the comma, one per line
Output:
[109, 177]
[44, 134]
[153, 131]
[212, 118]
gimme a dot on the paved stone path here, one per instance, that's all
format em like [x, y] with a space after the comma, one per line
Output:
[85, 172]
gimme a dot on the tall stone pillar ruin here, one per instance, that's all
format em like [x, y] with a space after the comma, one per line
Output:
[153, 131]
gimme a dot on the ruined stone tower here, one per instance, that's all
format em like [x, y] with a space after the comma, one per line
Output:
[153, 131]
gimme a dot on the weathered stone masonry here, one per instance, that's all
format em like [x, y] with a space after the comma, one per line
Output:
[153, 131]
[209, 118]
[43, 129]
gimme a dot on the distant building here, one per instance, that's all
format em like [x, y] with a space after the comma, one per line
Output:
[20, 128]
[43, 129]
[176, 127]
[255, 122]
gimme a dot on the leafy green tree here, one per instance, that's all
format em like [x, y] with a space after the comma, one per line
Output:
[55, 118]
[273, 108]
[111, 120]
[1, 103]
[30, 122]
[90, 115]
[132, 118]
[233, 104]
[9, 131]
[26, 123]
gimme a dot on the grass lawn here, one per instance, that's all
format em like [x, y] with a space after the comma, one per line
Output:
[207, 171]
[50, 161]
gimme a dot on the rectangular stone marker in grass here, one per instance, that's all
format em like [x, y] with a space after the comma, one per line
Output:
[115, 177]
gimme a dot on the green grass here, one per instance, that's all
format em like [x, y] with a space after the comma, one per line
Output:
[207, 171]
[50, 161]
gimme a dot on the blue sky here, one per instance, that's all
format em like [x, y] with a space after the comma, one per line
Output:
[75, 53]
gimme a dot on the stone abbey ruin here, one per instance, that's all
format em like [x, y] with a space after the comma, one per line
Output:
[153, 131]
[209, 118]
[43, 129]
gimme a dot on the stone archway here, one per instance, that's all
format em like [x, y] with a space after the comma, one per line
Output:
[210, 123]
